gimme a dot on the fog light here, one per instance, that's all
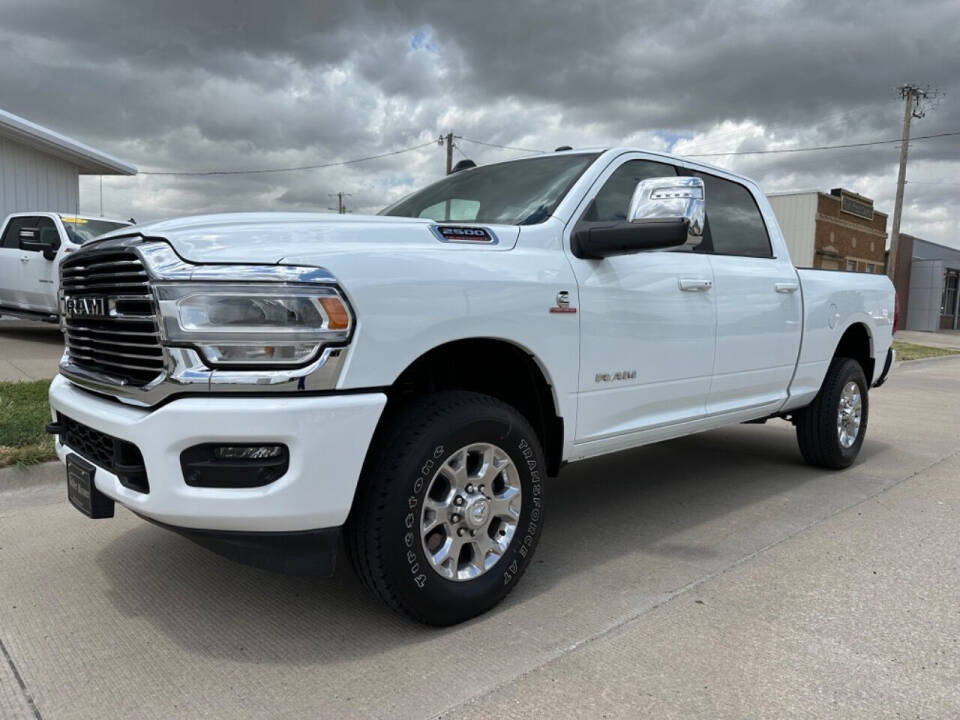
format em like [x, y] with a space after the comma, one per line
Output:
[234, 466]
[247, 452]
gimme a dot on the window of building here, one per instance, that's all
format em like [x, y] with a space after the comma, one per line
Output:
[948, 302]
[734, 223]
[871, 268]
[851, 265]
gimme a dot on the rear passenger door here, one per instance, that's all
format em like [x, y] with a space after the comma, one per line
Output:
[758, 301]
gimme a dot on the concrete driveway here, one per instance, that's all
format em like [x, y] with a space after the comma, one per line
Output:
[29, 350]
[714, 576]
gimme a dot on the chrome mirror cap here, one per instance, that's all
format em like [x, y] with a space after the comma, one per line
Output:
[675, 199]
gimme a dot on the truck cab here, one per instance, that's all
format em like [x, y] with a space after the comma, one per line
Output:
[32, 246]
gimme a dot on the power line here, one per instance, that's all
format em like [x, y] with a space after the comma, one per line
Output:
[289, 169]
[720, 139]
[824, 147]
[503, 147]
[340, 163]
[760, 152]
[928, 182]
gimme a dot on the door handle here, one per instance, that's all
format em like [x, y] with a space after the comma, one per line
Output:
[695, 284]
[787, 287]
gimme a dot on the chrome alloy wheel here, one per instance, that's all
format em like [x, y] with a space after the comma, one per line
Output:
[470, 511]
[849, 413]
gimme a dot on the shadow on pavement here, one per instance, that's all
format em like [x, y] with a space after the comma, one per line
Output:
[597, 510]
[28, 331]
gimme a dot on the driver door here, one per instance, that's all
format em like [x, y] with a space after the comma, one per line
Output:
[36, 288]
[647, 324]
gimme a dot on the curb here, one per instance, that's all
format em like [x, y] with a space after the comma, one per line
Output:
[923, 361]
[17, 478]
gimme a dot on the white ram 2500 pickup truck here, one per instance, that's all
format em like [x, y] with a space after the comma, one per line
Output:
[32, 246]
[263, 383]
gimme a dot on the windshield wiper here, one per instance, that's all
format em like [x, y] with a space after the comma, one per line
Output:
[537, 216]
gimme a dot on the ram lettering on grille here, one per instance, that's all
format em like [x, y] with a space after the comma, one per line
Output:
[110, 322]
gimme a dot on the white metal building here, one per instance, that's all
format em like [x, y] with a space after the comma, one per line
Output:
[797, 216]
[40, 168]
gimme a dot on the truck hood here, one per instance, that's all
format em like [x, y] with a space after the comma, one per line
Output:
[268, 238]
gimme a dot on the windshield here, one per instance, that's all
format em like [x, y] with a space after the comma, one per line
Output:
[81, 230]
[522, 192]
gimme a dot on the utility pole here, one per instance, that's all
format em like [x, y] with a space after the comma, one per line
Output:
[340, 208]
[913, 97]
[448, 141]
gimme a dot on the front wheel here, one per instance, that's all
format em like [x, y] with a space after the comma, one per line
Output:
[450, 507]
[830, 430]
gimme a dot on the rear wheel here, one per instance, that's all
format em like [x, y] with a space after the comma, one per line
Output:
[830, 430]
[449, 510]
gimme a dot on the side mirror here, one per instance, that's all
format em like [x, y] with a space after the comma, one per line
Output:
[670, 202]
[664, 212]
[34, 240]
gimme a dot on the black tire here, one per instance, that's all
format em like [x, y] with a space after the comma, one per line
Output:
[817, 423]
[410, 447]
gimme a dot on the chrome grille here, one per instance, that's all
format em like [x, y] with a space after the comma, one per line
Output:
[125, 343]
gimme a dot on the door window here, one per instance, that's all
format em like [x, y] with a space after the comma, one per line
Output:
[45, 230]
[11, 236]
[734, 224]
[44, 227]
[611, 202]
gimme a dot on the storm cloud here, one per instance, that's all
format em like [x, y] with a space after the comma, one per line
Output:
[222, 85]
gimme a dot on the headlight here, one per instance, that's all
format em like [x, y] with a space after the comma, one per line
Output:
[253, 324]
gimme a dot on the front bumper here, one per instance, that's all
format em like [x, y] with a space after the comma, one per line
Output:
[327, 437]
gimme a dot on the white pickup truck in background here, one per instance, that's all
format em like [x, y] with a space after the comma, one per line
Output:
[263, 383]
[32, 245]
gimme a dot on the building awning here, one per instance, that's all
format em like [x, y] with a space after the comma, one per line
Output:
[89, 160]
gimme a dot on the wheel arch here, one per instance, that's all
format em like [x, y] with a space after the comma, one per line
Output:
[493, 366]
[856, 342]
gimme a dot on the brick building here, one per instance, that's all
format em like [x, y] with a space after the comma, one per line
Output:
[838, 230]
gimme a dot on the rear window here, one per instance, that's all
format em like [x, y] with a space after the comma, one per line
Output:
[734, 223]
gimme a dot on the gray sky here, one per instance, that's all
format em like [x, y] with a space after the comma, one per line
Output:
[217, 84]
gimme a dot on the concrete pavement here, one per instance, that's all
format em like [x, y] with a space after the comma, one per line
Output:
[29, 350]
[711, 576]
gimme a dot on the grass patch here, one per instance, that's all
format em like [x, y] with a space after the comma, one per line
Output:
[23, 415]
[912, 351]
